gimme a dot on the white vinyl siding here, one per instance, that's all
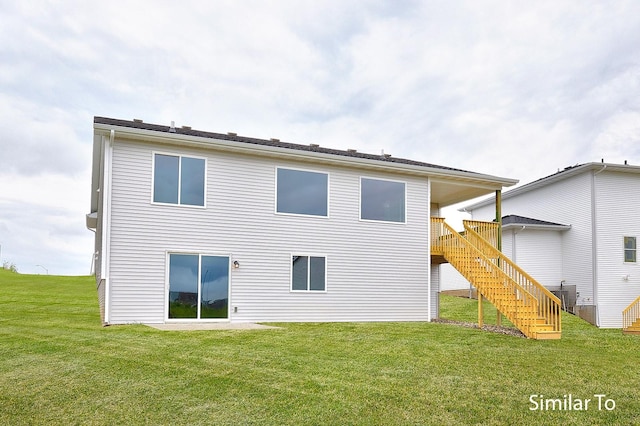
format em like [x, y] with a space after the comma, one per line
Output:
[567, 202]
[435, 291]
[617, 217]
[538, 252]
[601, 210]
[371, 274]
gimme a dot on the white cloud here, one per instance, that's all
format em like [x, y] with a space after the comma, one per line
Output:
[513, 89]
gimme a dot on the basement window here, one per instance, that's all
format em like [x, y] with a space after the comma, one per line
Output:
[630, 249]
[308, 273]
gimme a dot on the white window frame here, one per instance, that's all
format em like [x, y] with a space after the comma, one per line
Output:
[168, 253]
[180, 156]
[275, 198]
[625, 250]
[379, 220]
[309, 256]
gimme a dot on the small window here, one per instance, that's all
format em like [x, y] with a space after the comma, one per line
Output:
[630, 249]
[178, 180]
[308, 273]
[382, 200]
[302, 192]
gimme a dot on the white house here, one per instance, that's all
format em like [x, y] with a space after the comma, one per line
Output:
[200, 226]
[578, 229]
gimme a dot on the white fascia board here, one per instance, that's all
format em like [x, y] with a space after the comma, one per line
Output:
[475, 179]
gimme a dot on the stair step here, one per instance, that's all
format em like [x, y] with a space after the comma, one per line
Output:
[491, 282]
[548, 335]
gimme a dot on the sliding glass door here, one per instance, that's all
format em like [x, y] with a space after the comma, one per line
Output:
[198, 286]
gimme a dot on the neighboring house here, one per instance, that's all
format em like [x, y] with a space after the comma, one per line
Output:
[579, 229]
[200, 226]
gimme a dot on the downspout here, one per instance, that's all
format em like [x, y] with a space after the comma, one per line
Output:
[499, 218]
[514, 249]
[594, 244]
[498, 243]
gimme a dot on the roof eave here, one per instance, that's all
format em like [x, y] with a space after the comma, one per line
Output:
[567, 173]
[536, 227]
[481, 180]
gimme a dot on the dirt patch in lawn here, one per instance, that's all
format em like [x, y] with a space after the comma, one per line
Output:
[487, 327]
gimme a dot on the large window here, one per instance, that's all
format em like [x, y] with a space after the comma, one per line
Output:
[308, 273]
[198, 286]
[630, 249]
[178, 180]
[302, 192]
[382, 200]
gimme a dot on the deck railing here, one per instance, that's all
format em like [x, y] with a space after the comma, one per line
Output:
[487, 230]
[631, 313]
[549, 306]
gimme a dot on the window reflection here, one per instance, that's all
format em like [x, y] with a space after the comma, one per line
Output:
[302, 192]
[382, 200]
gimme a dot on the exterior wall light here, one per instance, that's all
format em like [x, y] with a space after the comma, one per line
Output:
[236, 264]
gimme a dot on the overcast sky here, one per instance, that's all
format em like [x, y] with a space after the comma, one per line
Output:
[515, 89]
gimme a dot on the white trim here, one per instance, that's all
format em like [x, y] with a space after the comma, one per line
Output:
[281, 152]
[107, 146]
[309, 256]
[180, 156]
[168, 253]
[380, 220]
[594, 242]
[429, 309]
[275, 204]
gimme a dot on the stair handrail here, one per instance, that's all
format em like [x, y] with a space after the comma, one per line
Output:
[549, 305]
[445, 239]
[631, 313]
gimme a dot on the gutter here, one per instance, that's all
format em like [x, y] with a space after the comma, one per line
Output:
[482, 180]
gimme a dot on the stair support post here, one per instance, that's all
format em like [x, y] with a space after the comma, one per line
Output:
[480, 311]
[499, 239]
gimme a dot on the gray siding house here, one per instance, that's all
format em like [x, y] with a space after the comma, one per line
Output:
[578, 229]
[194, 226]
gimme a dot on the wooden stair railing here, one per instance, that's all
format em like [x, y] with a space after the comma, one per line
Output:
[483, 267]
[487, 230]
[549, 306]
[631, 318]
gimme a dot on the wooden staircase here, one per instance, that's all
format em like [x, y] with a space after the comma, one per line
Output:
[631, 318]
[525, 302]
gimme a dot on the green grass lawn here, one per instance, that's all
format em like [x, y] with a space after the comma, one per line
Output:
[59, 366]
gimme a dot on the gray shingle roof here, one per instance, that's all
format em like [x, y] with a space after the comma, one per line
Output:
[137, 124]
[521, 220]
